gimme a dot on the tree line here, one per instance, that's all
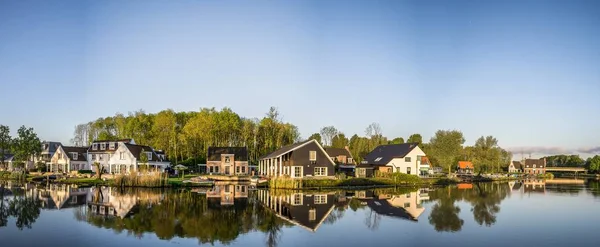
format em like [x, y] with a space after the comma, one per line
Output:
[24, 146]
[186, 136]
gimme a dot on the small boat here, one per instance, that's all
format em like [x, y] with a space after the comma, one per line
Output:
[258, 180]
[200, 181]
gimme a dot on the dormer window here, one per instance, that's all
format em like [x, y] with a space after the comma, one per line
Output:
[227, 159]
[102, 146]
[74, 155]
[95, 146]
[149, 155]
[122, 155]
[111, 146]
[349, 160]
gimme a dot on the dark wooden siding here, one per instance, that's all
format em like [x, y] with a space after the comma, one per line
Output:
[301, 157]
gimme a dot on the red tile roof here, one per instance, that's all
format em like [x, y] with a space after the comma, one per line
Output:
[465, 164]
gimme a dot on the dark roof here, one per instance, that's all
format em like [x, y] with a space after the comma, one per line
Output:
[383, 207]
[333, 152]
[8, 156]
[284, 149]
[50, 147]
[538, 162]
[137, 149]
[81, 152]
[383, 154]
[214, 153]
[129, 140]
[517, 165]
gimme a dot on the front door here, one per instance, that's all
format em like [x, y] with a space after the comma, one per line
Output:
[227, 170]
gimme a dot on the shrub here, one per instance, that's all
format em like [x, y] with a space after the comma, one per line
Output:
[85, 172]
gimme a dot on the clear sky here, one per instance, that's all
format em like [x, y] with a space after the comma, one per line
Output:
[527, 72]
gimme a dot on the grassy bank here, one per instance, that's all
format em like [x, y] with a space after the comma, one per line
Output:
[396, 179]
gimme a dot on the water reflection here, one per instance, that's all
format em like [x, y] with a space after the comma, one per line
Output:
[227, 211]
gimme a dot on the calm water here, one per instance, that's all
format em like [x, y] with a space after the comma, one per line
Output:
[537, 213]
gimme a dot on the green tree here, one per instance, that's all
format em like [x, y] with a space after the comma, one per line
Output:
[486, 153]
[144, 160]
[5, 144]
[594, 164]
[26, 145]
[339, 141]
[446, 146]
[397, 140]
[317, 137]
[415, 138]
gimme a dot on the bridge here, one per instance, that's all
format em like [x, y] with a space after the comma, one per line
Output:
[565, 169]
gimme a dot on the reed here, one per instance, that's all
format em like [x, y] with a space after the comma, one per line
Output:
[285, 183]
[153, 180]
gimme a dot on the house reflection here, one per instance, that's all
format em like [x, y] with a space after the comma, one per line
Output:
[226, 194]
[109, 201]
[305, 209]
[61, 196]
[534, 186]
[405, 206]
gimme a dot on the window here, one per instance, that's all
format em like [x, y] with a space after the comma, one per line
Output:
[95, 146]
[378, 159]
[60, 156]
[297, 171]
[93, 157]
[534, 166]
[243, 189]
[149, 155]
[312, 214]
[297, 199]
[362, 172]
[406, 159]
[320, 199]
[226, 188]
[122, 155]
[227, 159]
[320, 171]
[210, 169]
[313, 155]
[216, 169]
[237, 169]
[102, 146]
[100, 156]
[408, 195]
[74, 156]
[349, 160]
[407, 204]
[408, 170]
[243, 169]
[111, 146]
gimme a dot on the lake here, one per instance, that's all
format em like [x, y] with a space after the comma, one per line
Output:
[535, 212]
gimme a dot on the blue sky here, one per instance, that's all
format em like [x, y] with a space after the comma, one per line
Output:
[526, 72]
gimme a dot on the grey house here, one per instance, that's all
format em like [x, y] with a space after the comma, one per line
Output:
[303, 159]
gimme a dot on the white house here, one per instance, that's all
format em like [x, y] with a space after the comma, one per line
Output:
[128, 158]
[9, 161]
[67, 159]
[102, 151]
[406, 158]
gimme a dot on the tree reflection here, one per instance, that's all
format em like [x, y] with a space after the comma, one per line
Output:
[187, 215]
[444, 214]
[485, 199]
[24, 208]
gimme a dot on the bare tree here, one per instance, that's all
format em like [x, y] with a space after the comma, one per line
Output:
[327, 134]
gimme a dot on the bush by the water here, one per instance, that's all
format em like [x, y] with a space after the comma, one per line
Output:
[13, 175]
[85, 172]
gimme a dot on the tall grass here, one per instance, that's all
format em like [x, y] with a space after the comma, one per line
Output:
[153, 180]
[285, 183]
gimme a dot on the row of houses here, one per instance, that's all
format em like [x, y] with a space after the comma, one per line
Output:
[112, 156]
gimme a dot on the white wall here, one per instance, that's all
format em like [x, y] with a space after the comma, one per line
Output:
[129, 159]
[400, 163]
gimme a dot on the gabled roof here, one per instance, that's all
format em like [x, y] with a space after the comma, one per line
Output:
[214, 153]
[128, 140]
[465, 165]
[81, 152]
[539, 163]
[285, 149]
[333, 152]
[383, 207]
[50, 147]
[8, 157]
[137, 149]
[383, 154]
[517, 165]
